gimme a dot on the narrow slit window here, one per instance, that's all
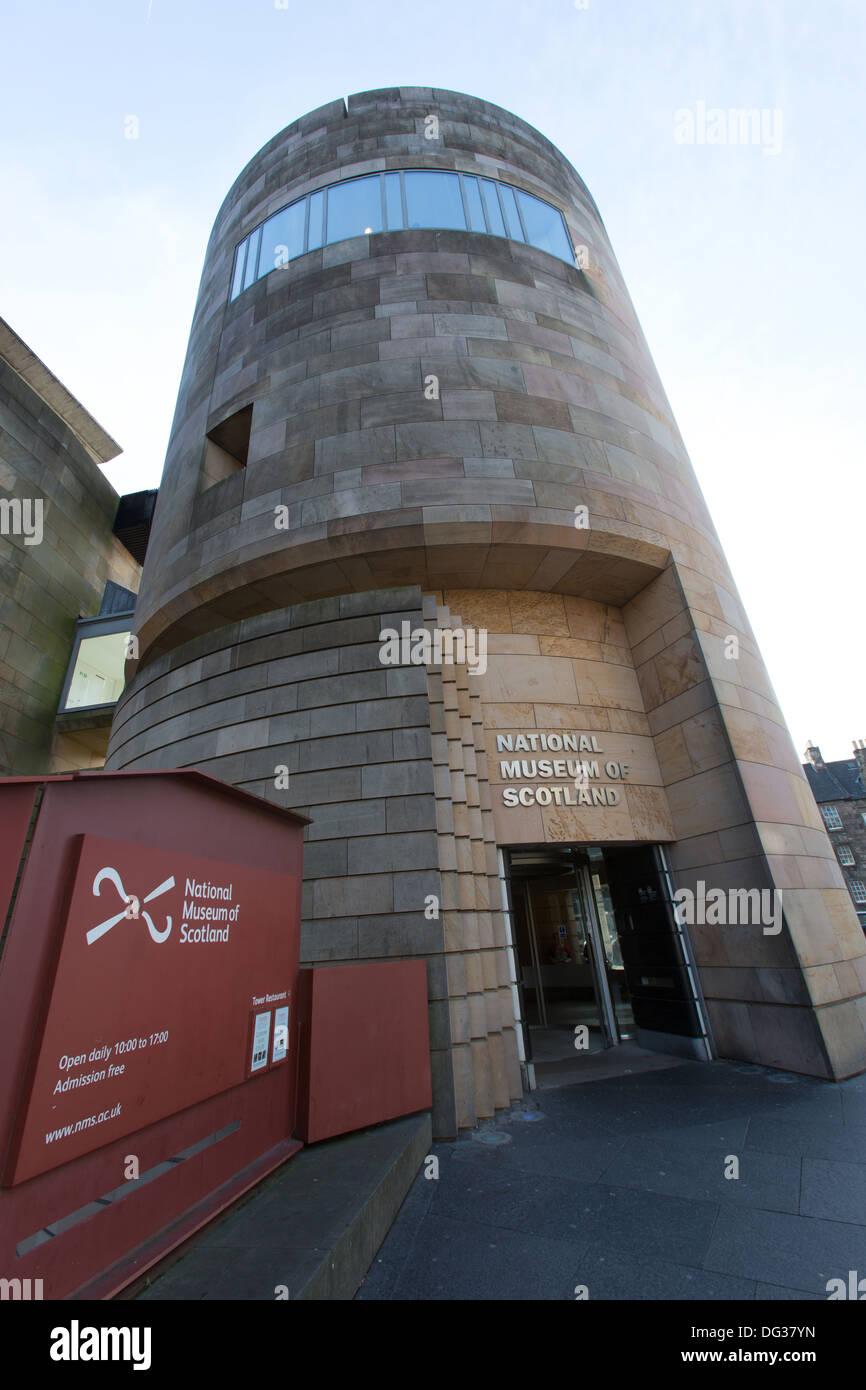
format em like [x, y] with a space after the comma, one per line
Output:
[474, 204]
[238, 276]
[251, 272]
[393, 202]
[317, 221]
[494, 212]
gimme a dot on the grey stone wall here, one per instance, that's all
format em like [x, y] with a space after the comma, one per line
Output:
[303, 689]
[44, 588]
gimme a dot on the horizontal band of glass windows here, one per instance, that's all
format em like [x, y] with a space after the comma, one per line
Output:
[429, 198]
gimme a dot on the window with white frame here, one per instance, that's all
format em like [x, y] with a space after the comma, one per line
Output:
[845, 855]
[832, 819]
[858, 890]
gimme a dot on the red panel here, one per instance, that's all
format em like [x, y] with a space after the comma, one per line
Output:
[124, 1042]
[366, 1049]
[179, 816]
[16, 808]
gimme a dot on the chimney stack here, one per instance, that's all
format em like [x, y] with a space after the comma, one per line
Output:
[813, 754]
[860, 755]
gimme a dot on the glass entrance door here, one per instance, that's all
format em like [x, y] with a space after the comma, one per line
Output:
[573, 975]
[596, 957]
[598, 946]
[554, 932]
[611, 966]
[571, 972]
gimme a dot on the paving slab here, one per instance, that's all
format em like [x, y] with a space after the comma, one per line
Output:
[619, 1184]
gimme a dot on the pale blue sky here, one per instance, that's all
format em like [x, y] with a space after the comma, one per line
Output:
[744, 266]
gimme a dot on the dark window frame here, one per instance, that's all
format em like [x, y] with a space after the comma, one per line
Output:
[84, 628]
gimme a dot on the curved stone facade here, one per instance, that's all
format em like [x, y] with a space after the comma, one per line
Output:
[453, 427]
[547, 400]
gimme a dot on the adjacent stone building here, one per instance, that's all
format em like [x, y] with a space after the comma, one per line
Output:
[417, 406]
[63, 558]
[840, 791]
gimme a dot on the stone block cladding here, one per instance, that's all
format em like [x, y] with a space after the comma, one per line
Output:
[46, 587]
[400, 859]
[259, 642]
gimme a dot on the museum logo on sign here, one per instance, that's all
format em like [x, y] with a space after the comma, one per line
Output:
[208, 905]
[132, 907]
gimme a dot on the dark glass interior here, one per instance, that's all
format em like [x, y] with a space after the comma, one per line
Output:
[590, 922]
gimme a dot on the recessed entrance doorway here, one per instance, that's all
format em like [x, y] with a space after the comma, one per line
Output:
[600, 958]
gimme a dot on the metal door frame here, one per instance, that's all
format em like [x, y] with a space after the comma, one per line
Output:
[533, 951]
[686, 954]
[601, 988]
[606, 1010]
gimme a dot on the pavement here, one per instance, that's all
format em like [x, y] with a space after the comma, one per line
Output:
[617, 1189]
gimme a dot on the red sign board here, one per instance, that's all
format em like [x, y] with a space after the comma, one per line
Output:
[173, 984]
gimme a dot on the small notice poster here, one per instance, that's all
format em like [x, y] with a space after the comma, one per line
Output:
[281, 1035]
[261, 1035]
